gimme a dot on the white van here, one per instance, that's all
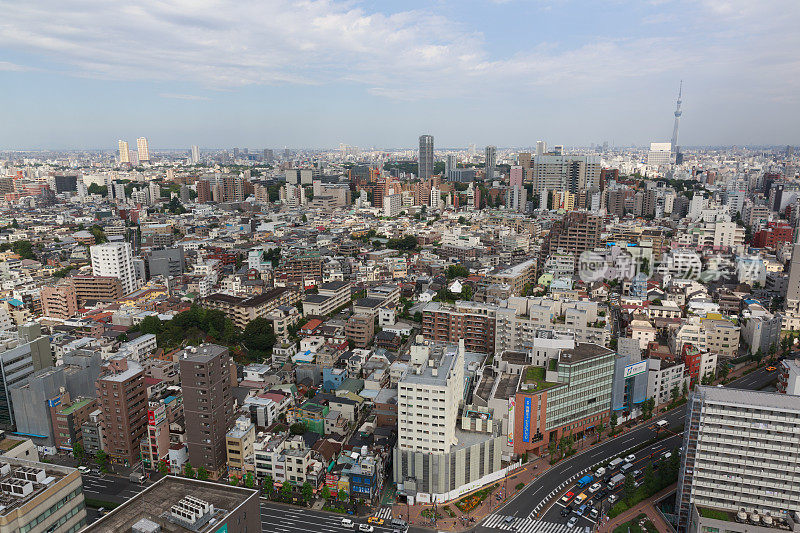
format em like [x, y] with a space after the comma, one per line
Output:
[346, 522]
[662, 424]
[600, 472]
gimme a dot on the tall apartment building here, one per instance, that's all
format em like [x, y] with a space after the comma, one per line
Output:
[60, 301]
[124, 153]
[203, 191]
[425, 157]
[143, 149]
[122, 399]
[565, 173]
[471, 321]
[299, 267]
[194, 156]
[360, 329]
[574, 234]
[244, 310]
[115, 260]
[740, 452]
[40, 497]
[68, 419]
[207, 402]
[490, 162]
[96, 288]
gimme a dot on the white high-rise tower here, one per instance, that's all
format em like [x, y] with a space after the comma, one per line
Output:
[124, 154]
[115, 259]
[677, 120]
[144, 151]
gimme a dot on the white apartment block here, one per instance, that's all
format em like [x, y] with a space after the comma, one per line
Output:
[740, 452]
[662, 377]
[115, 260]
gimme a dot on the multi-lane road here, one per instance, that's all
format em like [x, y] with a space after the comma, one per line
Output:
[530, 509]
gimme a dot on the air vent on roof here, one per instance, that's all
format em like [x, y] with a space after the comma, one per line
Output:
[37, 475]
[16, 487]
[5, 469]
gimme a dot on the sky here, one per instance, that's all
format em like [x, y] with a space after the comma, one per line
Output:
[317, 73]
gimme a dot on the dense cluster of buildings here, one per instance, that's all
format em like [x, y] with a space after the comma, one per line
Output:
[373, 318]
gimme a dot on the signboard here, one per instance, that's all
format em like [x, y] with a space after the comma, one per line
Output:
[511, 404]
[156, 416]
[53, 402]
[635, 369]
[526, 421]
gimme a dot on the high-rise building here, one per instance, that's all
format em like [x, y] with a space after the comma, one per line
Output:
[143, 149]
[524, 160]
[450, 164]
[59, 301]
[793, 290]
[659, 154]
[208, 403]
[122, 400]
[574, 234]
[565, 173]
[195, 154]
[203, 191]
[541, 148]
[115, 259]
[124, 153]
[23, 353]
[425, 157]
[738, 453]
[516, 177]
[490, 162]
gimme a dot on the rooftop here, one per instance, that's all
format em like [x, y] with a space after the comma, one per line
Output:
[583, 352]
[202, 353]
[155, 502]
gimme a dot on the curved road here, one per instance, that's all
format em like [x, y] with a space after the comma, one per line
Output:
[529, 501]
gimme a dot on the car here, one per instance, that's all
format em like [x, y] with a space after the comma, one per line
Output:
[572, 521]
[637, 473]
[594, 488]
[771, 369]
[581, 498]
[346, 522]
[630, 458]
[508, 519]
[375, 520]
[666, 455]
[593, 514]
[612, 498]
[608, 478]
[83, 470]
[602, 494]
[581, 510]
[566, 511]
[600, 472]
[567, 497]
[366, 528]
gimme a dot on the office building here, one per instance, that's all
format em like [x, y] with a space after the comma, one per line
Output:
[122, 399]
[143, 149]
[40, 497]
[565, 173]
[115, 260]
[195, 154]
[739, 453]
[425, 157]
[179, 505]
[68, 419]
[207, 400]
[23, 352]
[32, 399]
[541, 148]
[433, 454]
[124, 153]
[489, 162]
[96, 288]
[450, 165]
[660, 154]
[471, 321]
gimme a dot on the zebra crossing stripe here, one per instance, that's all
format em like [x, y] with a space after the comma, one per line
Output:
[523, 525]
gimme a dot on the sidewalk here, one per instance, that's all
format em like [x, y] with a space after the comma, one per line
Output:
[645, 507]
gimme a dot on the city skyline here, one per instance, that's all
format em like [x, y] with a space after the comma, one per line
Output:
[504, 73]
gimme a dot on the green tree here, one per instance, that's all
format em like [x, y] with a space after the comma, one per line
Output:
[647, 408]
[457, 271]
[612, 422]
[249, 480]
[342, 495]
[684, 389]
[188, 471]
[99, 234]
[305, 219]
[759, 355]
[629, 489]
[78, 452]
[674, 393]
[163, 469]
[151, 325]
[308, 491]
[724, 370]
[259, 337]
[234, 480]
[649, 480]
[269, 485]
[599, 429]
[418, 316]
[326, 493]
[552, 448]
[202, 473]
[286, 490]
[101, 459]
[298, 428]
[14, 223]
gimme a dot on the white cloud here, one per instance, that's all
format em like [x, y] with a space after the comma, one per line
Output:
[406, 55]
[184, 96]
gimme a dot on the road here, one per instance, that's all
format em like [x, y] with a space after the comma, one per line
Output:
[527, 506]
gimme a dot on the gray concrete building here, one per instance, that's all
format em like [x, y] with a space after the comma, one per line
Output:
[32, 400]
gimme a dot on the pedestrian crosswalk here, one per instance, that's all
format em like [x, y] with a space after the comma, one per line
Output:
[523, 525]
[385, 513]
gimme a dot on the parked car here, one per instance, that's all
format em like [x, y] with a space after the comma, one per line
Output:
[612, 498]
[593, 514]
[630, 458]
[572, 521]
[600, 472]
[83, 470]
[594, 488]
[366, 528]
[566, 511]
[567, 497]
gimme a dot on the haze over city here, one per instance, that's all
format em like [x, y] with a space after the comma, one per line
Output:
[319, 73]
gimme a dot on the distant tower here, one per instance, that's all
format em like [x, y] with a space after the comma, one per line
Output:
[143, 149]
[425, 157]
[124, 153]
[677, 120]
[490, 161]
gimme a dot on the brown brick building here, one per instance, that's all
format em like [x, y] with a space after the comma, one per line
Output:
[96, 288]
[471, 321]
[207, 403]
[60, 301]
[359, 330]
[122, 399]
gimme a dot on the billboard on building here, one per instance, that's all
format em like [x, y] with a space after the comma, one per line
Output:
[635, 369]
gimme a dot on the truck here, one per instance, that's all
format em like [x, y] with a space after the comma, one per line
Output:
[613, 465]
[616, 481]
[585, 480]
